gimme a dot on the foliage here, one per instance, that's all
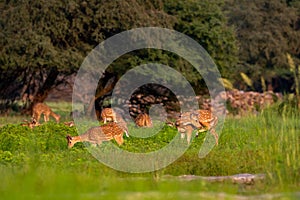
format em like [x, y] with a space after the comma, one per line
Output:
[227, 84]
[247, 80]
[16, 138]
[44, 42]
[40, 160]
[205, 22]
[266, 31]
[296, 73]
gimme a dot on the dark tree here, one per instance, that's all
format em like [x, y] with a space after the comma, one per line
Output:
[266, 31]
[42, 43]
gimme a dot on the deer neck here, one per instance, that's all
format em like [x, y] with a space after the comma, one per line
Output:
[56, 116]
[76, 139]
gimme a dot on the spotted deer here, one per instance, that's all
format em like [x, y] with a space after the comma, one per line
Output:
[108, 114]
[41, 108]
[122, 123]
[96, 135]
[69, 124]
[143, 120]
[33, 123]
[201, 120]
[208, 122]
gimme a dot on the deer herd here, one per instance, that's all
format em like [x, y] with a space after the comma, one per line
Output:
[114, 126]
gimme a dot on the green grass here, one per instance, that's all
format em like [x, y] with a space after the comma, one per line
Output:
[36, 164]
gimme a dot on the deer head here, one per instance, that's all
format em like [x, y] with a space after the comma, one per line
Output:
[70, 142]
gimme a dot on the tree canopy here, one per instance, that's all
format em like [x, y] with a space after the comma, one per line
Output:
[266, 32]
[42, 42]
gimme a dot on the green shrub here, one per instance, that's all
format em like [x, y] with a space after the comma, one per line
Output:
[14, 138]
[266, 143]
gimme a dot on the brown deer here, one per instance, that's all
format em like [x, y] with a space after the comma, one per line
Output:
[69, 124]
[208, 122]
[202, 120]
[33, 123]
[96, 135]
[108, 114]
[41, 108]
[143, 120]
[122, 123]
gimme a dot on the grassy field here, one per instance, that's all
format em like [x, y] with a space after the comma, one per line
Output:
[36, 164]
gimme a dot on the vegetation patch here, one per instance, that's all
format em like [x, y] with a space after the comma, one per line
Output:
[38, 162]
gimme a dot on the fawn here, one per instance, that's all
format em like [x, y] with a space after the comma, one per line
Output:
[121, 122]
[143, 120]
[41, 108]
[208, 121]
[30, 124]
[202, 120]
[96, 135]
[108, 114]
[69, 124]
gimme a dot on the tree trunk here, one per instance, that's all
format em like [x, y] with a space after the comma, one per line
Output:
[109, 86]
[43, 91]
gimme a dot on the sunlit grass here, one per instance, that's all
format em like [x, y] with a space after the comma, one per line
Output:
[36, 164]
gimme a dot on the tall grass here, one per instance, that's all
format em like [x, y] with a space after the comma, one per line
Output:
[36, 164]
[264, 144]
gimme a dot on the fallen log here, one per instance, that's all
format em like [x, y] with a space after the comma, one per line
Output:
[248, 179]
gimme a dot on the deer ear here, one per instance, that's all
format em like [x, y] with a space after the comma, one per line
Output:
[69, 137]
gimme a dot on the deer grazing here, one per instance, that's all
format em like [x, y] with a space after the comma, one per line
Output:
[41, 108]
[33, 123]
[96, 135]
[69, 124]
[143, 120]
[202, 120]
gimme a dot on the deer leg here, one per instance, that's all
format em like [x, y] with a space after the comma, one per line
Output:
[46, 117]
[182, 135]
[189, 134]
[114, 118]
[182, 132]
[213, 132]
[150, 123]
[36, 116]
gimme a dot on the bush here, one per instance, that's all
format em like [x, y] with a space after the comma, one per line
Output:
[45, 138]
[14, 138]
